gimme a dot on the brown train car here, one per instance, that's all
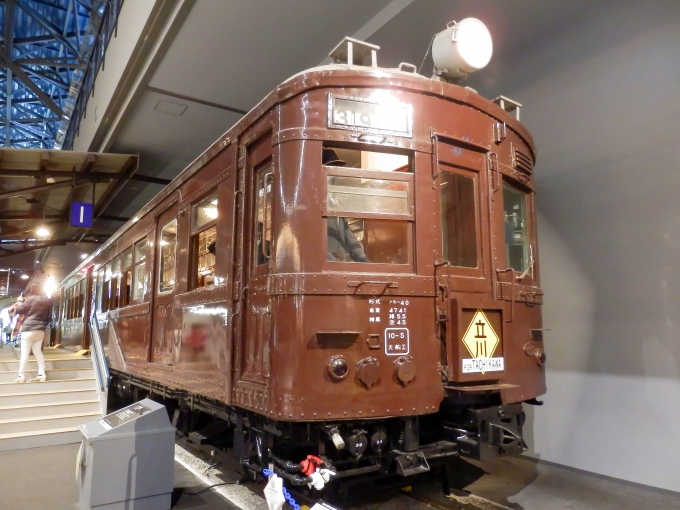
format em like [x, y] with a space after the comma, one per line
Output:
[350, 272]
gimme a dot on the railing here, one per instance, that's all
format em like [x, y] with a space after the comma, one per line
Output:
[101, 366]
[101, 26]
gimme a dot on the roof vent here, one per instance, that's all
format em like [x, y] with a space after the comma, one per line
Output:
[354, 52]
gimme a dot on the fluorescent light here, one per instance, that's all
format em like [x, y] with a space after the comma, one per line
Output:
[25, 277]
[42, 231]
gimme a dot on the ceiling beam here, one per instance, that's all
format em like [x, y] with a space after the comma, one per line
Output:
[47, 25]
[101, 176]
[9, 40]
[43, 38]
[43, 187]
[26, 80]
[51, 62]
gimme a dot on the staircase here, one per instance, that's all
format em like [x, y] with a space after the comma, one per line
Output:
[45, 414]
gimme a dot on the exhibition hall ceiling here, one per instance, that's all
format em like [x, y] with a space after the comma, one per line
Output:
[228, 54]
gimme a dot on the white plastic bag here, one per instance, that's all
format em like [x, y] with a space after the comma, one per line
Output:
[273, 493]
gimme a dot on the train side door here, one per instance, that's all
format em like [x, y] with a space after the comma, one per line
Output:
[253, 355]
[164, 285]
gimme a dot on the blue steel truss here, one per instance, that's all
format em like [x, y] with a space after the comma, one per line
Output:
[51, 53]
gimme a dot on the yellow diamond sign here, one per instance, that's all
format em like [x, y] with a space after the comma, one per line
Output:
[480, 338]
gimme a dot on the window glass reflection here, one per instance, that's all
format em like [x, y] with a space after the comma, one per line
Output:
[204, 212]
[458, 216]
[168, 247]
[516, 228]
[367, 240]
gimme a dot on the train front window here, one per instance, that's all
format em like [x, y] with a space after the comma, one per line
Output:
[167, 259]
[458, 216]
[263, 217]
[369, 206]
[354, 194]
[517, 249]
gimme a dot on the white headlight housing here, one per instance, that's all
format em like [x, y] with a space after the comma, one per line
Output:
[462, 48]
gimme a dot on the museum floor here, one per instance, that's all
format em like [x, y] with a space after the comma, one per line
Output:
[43, 479]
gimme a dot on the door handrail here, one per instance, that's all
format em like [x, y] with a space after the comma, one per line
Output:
[100, 364]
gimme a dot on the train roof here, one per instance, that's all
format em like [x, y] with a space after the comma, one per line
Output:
[330, 75]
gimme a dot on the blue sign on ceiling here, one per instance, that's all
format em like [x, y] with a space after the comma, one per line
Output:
[81, 214]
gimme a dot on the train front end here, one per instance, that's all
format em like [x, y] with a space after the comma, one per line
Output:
[397, 229]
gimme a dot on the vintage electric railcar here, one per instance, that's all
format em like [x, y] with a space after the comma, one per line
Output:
[350, 272]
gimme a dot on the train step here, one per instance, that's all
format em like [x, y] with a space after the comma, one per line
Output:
[42, 423]
[55, 374]
[37, 439]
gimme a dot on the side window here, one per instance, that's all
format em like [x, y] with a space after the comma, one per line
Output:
[369, 206]
[166, 281]
[100, 285]
[517, 248]
[204, 233]
[106, 291]
[263, 216]
[139, 282]
[126, 280]
[459, 218]
[115, 283]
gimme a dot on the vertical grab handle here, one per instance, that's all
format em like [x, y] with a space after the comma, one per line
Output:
[266, 253]
[495, 173]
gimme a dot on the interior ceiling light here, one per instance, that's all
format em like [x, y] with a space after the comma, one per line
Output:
[25, 277]
[42, 231]
[83, 256]
[464, 47]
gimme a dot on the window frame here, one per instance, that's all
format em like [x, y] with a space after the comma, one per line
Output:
[477, 271]
[265, 167]
[340, 171]
[136, 262]
[159, 289]
[531, 278]
[193, 239]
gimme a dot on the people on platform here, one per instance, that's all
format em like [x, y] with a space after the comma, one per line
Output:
[36, 317]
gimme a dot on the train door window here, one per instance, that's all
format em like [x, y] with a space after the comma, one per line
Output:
[263, 216]
[166, 281]
[369, 206]
[139, 282]
[459, 218]
[126, 280]
[204, 234]
[517, 248]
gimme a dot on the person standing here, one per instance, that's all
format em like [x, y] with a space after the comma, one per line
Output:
[36, 312]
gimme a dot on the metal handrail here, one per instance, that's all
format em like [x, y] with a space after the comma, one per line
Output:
[100, 364]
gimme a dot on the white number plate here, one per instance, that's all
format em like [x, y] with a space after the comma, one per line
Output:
[476, 365]
[360, 115]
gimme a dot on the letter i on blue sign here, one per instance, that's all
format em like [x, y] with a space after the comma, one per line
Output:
[81, 214]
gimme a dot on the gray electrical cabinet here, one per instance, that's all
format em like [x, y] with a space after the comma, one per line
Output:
[126, 459]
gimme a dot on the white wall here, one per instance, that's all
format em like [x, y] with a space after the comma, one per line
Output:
[602, 99]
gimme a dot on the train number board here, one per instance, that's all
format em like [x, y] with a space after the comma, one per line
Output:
[370, 116]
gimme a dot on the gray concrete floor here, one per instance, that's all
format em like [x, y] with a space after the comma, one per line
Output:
[43, 479]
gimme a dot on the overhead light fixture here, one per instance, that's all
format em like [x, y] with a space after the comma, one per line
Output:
[83, 256]
[50, 286]
[464, 47]
[43, 231]
[25, 277]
